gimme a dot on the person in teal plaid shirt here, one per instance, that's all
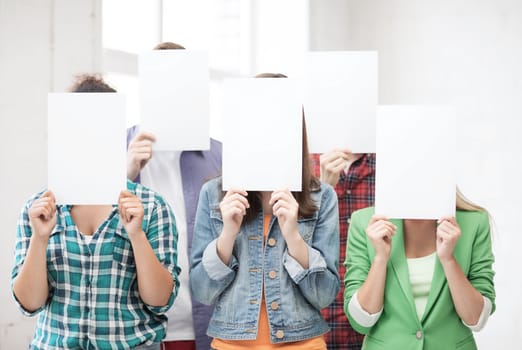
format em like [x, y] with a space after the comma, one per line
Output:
[99, 276]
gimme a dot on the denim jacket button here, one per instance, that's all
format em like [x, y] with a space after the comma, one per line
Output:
[272, 242]
[280, 334]
[274, 305]
[272, 274]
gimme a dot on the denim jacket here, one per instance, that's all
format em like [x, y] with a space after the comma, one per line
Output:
[293, 295]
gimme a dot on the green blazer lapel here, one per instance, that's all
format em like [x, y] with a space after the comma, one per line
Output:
[400, 265]
[437, 284]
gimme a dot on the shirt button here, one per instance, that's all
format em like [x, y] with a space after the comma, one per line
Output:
[272, 274]
[418, 335]
[272, 242]
[274, 305]
[348, 192]
[280, 334]
[348, 220]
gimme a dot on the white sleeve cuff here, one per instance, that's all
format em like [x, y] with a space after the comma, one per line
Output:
[484, 316]
[360, 315]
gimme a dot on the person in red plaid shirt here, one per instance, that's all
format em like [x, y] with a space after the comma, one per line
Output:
[353, 178]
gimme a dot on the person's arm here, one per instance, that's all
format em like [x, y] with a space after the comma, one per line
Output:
[313, 265]
[233, 207]
[31, 287]
[155, 283]
[371, 294]
[285, 208]
[139, 152]
[209, 274]
[469, 302]
[364, 273]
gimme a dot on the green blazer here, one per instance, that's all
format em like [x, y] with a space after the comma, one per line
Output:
[399, 327]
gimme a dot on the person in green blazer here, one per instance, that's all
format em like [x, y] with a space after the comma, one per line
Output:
[419, 284]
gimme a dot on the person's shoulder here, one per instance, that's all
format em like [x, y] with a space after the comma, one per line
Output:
[145, 194]
[363, 214]
[476, 217]
[212, 185]
[32, 198]
[215, 143]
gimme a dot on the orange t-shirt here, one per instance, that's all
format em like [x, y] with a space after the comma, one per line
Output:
[262, 342]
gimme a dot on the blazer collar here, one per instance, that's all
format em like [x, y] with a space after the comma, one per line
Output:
[400, 265]
[400, 268]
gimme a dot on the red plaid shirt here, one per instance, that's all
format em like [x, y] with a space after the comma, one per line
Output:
[355, 190]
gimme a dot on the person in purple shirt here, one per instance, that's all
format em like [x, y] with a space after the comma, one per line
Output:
[178, 176]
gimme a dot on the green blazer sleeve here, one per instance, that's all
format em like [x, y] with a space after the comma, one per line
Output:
[359, 256]
[480, 272]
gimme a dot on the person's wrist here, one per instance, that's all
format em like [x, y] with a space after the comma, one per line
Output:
[381, 258]
[228, 234]
[135, 234]
[39, 240]
[447, 261]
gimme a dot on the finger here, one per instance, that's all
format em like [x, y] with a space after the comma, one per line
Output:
[141, 144]
[326, 160]
[125, 194]
[389, 225]
[232, 208]
[140, 157]
[446, 227]
[144, 135]
[338, 165]
[47, 194]
[140, 149]
[134, 211]
[236, 197]
[233, 191]
[376, 218]
[39, 212]
[284, 194]
[444, 235]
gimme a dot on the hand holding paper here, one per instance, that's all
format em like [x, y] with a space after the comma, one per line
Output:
[332, 163]
[42, 215]
[131, 213]
[139, 153]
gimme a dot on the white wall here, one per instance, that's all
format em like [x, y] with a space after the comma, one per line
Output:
[466, 53]
[43, 43]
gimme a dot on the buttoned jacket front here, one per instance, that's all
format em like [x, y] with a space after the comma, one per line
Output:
[293, 295]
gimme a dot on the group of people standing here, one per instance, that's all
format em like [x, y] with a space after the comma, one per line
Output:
[186, 265]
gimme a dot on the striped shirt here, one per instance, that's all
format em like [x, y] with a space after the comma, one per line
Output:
[93, 300]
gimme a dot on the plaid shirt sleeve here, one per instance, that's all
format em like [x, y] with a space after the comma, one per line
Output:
[23, 237]
[163, 238]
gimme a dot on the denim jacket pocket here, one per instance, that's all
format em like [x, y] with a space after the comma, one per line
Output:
[306, 228]
[216, 219]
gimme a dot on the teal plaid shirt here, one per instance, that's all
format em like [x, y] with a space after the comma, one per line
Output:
[93, 298]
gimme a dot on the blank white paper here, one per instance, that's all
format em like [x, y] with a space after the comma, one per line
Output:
[174, 99]
[262, 134]
[416, 162]
[86, 147]
[341, 94]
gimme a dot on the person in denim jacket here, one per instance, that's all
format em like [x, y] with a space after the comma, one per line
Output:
[268, 260]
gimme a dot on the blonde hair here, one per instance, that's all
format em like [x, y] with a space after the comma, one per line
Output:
[465, 204]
